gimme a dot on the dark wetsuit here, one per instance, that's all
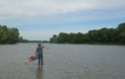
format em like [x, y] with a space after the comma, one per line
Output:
[39, 52]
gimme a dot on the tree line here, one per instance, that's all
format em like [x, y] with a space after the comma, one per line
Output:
[9, 35]
[33, 41]
[103, 35]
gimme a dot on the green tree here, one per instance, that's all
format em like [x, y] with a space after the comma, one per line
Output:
[4, 34]
[93, 36]
[72, 38]
[79, 37]
[15, 37]
[8, 35]
[121, 32]
[1, 33]
[62, 38]
[54, 39]
[113, 35]
[103, 35]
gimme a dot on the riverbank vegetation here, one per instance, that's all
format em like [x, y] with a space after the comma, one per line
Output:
[100, 36]
[11, 36]
[8, 35]
[34, 41]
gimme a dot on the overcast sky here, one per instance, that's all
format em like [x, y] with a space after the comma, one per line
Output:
[41, 19]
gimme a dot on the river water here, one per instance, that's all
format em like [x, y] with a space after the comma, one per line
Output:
[63, 61]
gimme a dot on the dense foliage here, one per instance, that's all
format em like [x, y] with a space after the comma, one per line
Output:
[104, 35]
[8, 35]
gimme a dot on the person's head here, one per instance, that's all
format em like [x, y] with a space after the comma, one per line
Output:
[39, 44]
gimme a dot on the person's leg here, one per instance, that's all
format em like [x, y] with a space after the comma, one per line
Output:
[38, 60]
[42, 60]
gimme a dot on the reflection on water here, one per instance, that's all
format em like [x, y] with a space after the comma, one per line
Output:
[39, 72]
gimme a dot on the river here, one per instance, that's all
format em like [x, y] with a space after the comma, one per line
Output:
[63, 61]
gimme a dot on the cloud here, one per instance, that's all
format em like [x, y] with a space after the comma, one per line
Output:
[33, 8]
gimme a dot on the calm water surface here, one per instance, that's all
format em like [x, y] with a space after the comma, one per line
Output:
[63, 61]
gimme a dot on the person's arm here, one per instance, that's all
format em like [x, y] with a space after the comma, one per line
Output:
[43, 46]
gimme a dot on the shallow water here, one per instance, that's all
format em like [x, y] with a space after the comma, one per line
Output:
[63, 61]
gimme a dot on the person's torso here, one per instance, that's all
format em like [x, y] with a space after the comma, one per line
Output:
[39, 50]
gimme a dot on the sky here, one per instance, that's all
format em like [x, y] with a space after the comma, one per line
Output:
[41, 19]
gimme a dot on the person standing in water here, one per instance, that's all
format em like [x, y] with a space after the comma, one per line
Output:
[39, 53]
